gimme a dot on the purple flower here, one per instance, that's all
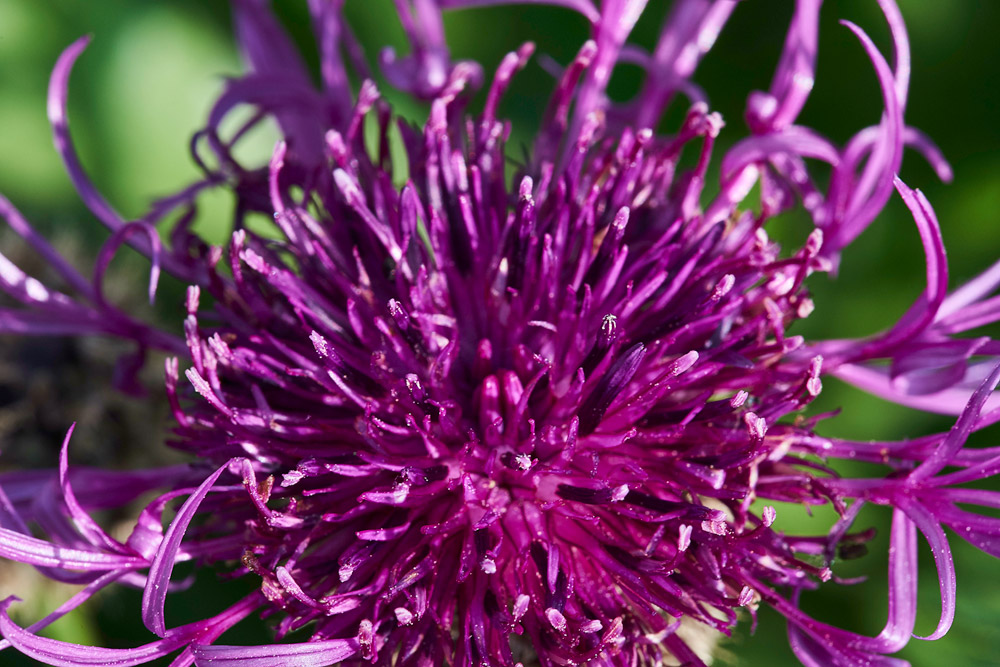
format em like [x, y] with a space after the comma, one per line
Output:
[446, 416]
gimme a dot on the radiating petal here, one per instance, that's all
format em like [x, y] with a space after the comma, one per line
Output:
[311, 654]
[155, 593]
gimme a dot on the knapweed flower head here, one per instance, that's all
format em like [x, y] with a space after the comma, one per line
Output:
[450, 409]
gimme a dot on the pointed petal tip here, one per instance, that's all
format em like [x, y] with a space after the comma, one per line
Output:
[59, 80]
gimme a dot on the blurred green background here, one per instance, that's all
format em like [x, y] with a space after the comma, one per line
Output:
[153, 69]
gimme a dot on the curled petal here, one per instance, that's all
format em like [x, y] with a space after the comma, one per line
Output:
[58, 94]
[84, 522]
[154, 595]
[64, 654]
[819, 651]
[922, 313]
[934, 534]
[75, 601]
[112, 245]
[794, 140]
[925, 146]
[869, 195]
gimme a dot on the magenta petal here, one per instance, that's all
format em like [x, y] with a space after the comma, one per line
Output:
[883, 164]
[971, 292]
[582, 6]
[39, 323]
[32, 292]
[794, 140]
[968, 317]
[901, 44]
[902, 584]
[925, 368]
[829, 652]
[960, 431]
[922, 313]
[871, 191]
[980, 530]
[926, 147]
[112, 245]
[57, 96]
[983, 469]
[877, 381]
[310, 654]
[34, 551]
[795, 74]
[155, 593]
[58, 93]
[688, 32]
[270, 52]
[933, 533]
[84, 523]
[94, 488]
[64, 654]
[75, 601]
[54, 259]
